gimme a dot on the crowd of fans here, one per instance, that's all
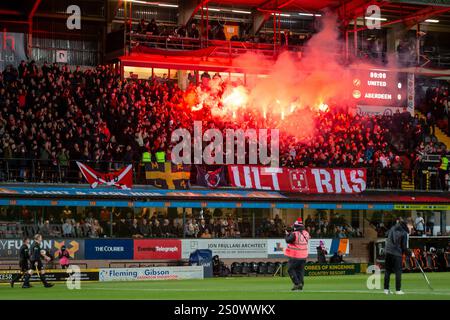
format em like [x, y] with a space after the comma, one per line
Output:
[55, 116]
[320, 226]
[436, 106]
[422, 224]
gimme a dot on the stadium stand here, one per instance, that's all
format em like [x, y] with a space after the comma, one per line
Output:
[52, 116]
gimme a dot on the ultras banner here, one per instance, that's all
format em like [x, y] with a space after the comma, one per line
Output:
[12, 48]
[305, 180]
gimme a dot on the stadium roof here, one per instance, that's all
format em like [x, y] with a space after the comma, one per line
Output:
[19, 9]
[409, 12]
[305, 5]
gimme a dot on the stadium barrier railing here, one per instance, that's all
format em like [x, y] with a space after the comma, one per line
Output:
[424, 177]
[222, 48]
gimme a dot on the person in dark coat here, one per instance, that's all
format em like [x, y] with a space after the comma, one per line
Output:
[36, 256]
[152, 28]
[24, 264]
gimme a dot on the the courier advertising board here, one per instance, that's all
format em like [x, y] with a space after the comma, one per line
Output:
[108, 249]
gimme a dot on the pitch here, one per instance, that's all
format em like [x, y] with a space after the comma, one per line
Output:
[240, 288]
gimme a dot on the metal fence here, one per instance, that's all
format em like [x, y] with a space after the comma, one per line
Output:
[219, 48]
[48, 171]
[426, 177]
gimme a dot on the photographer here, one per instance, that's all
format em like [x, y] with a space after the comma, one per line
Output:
[297, 252]
[63, 256]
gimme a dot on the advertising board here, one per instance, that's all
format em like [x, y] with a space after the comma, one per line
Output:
[157, 249]
[152, 273]
[227, 248]
[9, 248]
[108, 249]
[275, 247]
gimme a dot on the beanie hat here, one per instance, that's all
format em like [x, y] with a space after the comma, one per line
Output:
[298, 224]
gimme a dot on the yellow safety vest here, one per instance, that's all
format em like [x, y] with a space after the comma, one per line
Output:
[160, 156]
[146, 157]
[444, 164]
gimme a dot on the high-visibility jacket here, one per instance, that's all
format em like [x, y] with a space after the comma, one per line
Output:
[444, 163]
[146, 157]
[160, 156]
[299, 248]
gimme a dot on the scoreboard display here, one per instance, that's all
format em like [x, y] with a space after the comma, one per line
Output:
[381, 91]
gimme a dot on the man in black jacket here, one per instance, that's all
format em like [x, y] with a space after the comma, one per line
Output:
[24, 264]
[396, 246]
[36, 254]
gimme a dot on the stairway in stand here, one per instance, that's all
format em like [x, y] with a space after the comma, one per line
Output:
[442, 137]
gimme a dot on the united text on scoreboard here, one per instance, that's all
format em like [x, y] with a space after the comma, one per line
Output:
[381, 91]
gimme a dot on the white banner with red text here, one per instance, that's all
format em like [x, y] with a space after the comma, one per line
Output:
[258, 248]
[305, 180]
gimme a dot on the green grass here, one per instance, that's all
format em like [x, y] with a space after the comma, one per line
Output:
[245, 288]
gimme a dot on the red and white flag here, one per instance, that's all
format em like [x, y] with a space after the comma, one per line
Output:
[122, 179]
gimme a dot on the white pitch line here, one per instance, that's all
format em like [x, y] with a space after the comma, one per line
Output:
[233, 290]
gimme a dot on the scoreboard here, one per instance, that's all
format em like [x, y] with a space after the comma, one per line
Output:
[377, 91]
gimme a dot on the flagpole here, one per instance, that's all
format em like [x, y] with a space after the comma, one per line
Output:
[110, 223]
[184, 221]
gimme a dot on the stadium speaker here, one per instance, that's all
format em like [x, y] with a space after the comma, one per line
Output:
[236, 268]
[262, 268]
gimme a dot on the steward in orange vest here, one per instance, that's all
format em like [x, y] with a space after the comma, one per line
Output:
[297, 252]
